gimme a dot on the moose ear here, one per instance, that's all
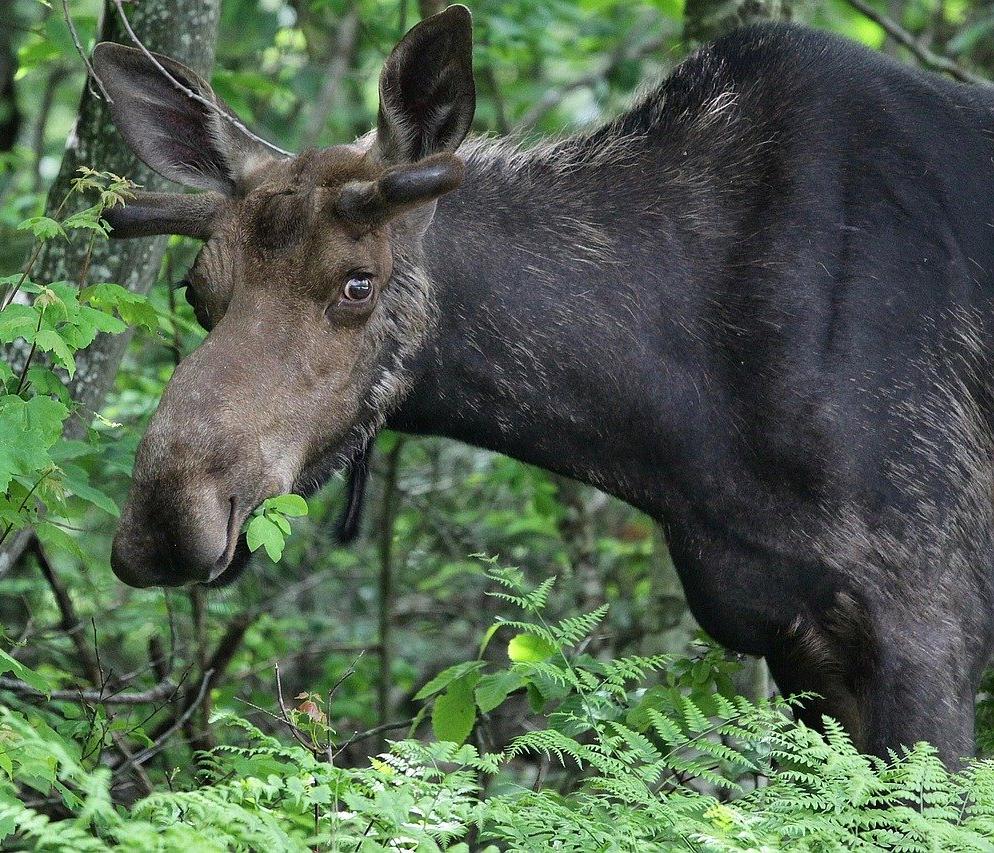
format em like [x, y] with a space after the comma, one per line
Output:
[174, 134]
[427, 96]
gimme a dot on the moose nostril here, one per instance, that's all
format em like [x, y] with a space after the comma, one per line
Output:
[235, 519]
[232, 518]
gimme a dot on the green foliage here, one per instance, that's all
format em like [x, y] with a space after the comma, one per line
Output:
[647, 776]
[269, 525]
[569, 725]
[37, 477]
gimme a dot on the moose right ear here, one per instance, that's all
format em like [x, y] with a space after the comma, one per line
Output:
[427, 95]
[172, 133]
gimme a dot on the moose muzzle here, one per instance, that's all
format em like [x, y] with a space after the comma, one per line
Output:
[199, 472]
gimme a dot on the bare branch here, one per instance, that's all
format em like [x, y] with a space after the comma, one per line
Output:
[373, 732]
[923, 54]
[163, 690]
[298, 734]
[92, 76]
[71, 623]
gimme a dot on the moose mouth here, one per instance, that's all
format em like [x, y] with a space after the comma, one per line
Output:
[236, 555]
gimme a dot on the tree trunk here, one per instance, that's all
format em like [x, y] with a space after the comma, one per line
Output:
[10, 116]
[705, 20]
[187, 31]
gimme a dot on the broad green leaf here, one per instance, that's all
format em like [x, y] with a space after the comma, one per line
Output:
[76, 481]
[17, 321]
[492, 690]
[55, 538]
[454, 713]
[487, 637]
[44, 381]
[291, 505]
[27, 430]
[25, 674]
[51, 341]
[88, 219]
[528, 648]
[42, 227]
[447, 676]
[262, 533]
[280, 521]
[132, 308]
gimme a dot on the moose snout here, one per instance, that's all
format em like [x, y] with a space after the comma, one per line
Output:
[192, 489]
[175, 538]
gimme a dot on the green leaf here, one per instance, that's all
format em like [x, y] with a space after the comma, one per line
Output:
[76, 481]
[280, 521]
[447, 676]
[291, 505]
[536, 701]
[528, 648]
[51, 341]
[262, 533]
[44, 381]
[56, 539]
[27, 430]
[133, 309]
[42, 227]
[492, 690]
[454, 713]
[88, 219]
[487, 637]
[17, 321]
[19, 670]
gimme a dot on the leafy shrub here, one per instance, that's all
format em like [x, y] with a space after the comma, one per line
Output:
[681, 765]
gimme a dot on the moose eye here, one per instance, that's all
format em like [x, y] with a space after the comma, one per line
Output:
[358, 289]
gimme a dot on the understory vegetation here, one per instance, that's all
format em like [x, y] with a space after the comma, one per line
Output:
[503, 659]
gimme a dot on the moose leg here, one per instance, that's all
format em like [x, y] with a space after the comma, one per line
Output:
[891, 683]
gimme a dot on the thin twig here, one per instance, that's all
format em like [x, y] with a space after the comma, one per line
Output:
[163, 690]
[91, 74]
[294, 730]
[926, 56]
[200, 99]
[217, 665]
[160, 742]
[358, 737]
[300, 738]
[71, 623]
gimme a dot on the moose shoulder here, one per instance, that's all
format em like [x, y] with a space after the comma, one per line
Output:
[756, 306]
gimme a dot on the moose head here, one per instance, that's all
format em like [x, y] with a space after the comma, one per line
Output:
[307, 283]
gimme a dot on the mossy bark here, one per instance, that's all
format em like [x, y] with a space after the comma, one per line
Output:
[186, 30]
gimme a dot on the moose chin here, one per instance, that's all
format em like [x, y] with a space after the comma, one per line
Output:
[758, 306]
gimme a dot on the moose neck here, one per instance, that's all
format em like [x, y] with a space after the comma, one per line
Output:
[569, 310]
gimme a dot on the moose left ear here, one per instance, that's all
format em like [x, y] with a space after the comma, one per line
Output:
[427, 96]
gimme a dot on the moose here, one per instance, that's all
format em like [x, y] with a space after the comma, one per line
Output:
[757, 306]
